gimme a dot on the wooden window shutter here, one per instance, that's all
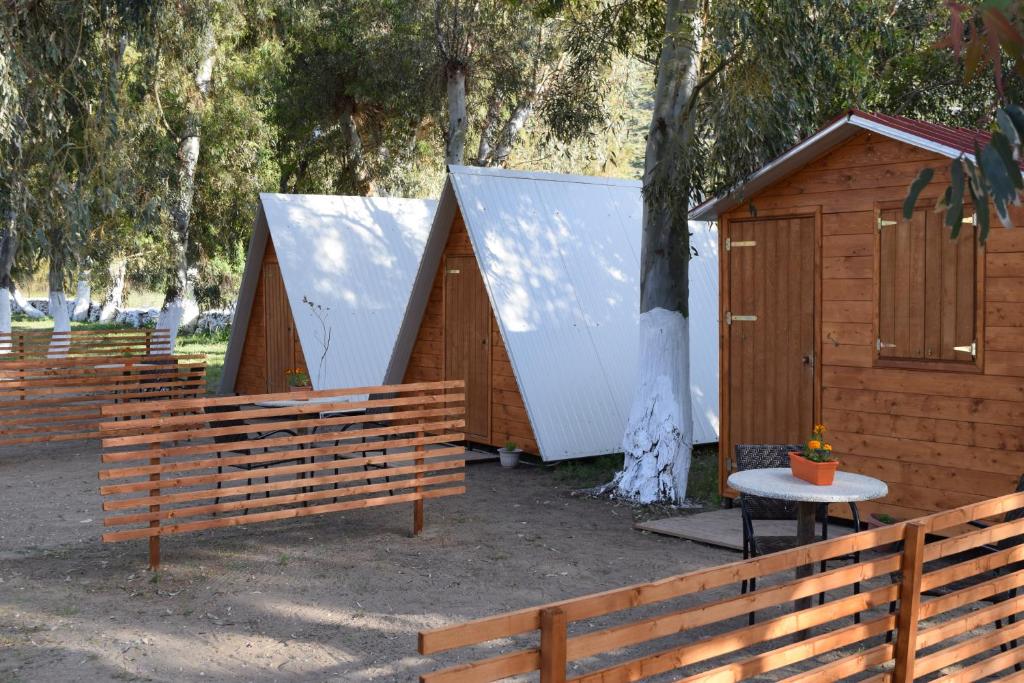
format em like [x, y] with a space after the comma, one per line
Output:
[927, 288]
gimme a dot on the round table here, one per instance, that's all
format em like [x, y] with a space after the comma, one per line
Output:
[779, 483]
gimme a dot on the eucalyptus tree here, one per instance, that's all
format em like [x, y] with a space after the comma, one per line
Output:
[356, 96]
[63, 57]
[738, 82]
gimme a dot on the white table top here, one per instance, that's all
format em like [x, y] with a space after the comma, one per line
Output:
[778, 482]
[293, 403]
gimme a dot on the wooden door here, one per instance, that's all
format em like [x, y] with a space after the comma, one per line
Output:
[769, 332]
[279, 328]
[467, 349]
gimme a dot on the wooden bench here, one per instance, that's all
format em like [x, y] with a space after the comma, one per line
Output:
[697, 637]
[60, 399]
[41, 344]
[179, 466]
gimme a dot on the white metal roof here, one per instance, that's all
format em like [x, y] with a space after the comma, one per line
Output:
[560, 259]
[356, 257]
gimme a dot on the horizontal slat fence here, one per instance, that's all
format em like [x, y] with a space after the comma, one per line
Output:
[931, 606]
[40, 344]
[191, 465]
[60, 399]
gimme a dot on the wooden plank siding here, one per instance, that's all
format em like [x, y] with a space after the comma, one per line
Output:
[253, 376]
[508, 419]
[940, 436]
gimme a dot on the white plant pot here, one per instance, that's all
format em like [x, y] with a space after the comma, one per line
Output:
[509, 458]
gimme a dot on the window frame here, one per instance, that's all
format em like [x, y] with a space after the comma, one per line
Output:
[978, 363]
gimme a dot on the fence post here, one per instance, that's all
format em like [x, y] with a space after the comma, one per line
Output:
[154, 541]
[553, 635]
[910, 602]
[417, 506]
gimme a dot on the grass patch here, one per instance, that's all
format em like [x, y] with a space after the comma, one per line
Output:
[590, 472]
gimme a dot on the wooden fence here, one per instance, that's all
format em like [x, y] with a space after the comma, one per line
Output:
[181, 466]
[60, 399]
[945, 609]
[40, 344]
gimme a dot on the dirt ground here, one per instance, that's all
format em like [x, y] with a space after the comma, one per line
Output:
[334, 598]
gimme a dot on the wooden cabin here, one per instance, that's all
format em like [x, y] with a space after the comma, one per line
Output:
[907, 344]
[529, 292]
[325, 288]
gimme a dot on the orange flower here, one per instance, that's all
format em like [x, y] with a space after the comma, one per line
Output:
[819, 429]
[814, 444]
[827, 447]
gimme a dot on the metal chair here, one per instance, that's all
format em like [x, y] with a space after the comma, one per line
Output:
[242, 438]
[754, 508]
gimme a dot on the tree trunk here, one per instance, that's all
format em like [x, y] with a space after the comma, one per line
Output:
[83, 297]
[115, 295]
[484, 150]
[455, 149]
[23, 305]
[58, 307]
[179, 307]
[356, 158]
[8, 249]
[512, 127]
[659, 434]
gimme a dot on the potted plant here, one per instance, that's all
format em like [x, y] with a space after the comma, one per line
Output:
[509, 455]
[815, 464]
[298, 379]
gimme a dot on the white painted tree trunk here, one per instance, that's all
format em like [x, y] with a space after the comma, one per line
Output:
[25, 307]
[458, 122]
[61, 323]
[115, 295]
[176, 314]
[659, 433]
[83, 297]
[5, 317]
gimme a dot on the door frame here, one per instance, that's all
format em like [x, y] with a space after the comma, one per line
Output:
[724, 274]
[487, 437]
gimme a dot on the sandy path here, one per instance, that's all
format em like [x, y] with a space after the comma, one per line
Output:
[335, 598]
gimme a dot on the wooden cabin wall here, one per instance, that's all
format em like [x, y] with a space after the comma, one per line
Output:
[252, 368]
[426, 363]
[940, 439]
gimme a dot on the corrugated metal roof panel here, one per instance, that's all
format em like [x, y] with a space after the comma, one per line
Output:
[560, 256]
[348, 265]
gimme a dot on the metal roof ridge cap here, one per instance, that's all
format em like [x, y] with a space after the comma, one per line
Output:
[908, 138]
[546, 176]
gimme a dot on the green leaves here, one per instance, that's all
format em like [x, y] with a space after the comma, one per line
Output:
[955, 210]
[920, 182]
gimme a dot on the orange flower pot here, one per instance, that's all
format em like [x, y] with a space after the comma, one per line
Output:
[817, 473]
[305, 388]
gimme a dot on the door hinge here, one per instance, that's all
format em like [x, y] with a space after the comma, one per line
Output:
[452, 271]
[730, 318]
[879, 345]
[884, 223]
[971, 220]
[730, 245]
[971, 348]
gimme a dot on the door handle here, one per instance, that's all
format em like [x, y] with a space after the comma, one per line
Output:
[808, 360]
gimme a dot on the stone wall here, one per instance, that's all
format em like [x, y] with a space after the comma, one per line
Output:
[208, 321]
